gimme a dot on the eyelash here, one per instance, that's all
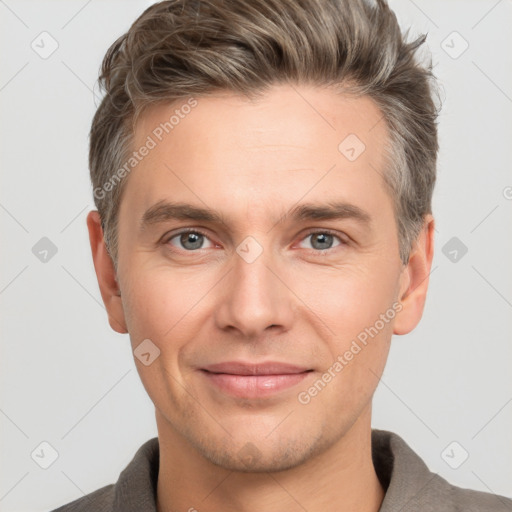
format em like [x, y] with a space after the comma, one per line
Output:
[166, 240]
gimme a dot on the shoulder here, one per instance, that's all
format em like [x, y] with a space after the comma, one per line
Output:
[476, 501]
[411, 486]
[135, 490]
[100, 500]
[438, 495]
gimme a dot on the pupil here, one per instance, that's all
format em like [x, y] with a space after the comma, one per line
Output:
[326, 239]
[193, 238]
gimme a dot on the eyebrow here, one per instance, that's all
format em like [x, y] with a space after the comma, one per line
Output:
[164, 211]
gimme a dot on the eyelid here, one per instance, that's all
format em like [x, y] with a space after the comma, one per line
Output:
[172, 234]
[342, 236]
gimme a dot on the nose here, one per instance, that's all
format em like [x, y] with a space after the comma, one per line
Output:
[255, 297]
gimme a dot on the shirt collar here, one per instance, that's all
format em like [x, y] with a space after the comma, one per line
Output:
[402, 473]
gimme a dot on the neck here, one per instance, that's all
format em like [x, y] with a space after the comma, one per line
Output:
[343, 475]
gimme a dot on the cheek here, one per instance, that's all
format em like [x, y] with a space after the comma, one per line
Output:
[164, 305]
[358, 307]
[350, 300]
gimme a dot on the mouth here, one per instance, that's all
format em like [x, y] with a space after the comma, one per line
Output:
[250, 380]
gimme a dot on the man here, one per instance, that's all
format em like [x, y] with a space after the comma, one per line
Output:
[263, 172]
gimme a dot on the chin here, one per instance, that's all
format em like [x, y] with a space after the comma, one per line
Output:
[261, 454]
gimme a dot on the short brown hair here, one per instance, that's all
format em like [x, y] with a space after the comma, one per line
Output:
[180, 48]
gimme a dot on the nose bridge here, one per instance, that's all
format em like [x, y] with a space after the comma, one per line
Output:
[254, 298]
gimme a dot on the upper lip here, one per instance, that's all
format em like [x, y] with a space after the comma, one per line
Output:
[266, 368]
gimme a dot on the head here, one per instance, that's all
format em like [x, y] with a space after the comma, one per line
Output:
[248, 123]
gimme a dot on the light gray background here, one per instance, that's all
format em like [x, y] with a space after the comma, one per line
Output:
[69, 380]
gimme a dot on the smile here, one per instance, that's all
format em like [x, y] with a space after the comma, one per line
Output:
[245, 380]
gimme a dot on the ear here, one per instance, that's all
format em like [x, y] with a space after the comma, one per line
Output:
[106, 274]
[414, 280]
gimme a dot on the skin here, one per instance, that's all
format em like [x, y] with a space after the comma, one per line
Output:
[253, 161]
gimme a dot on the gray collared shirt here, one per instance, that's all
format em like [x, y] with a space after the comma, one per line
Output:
[409, 485]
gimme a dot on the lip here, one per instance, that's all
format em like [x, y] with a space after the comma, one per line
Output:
[264, 368]
[254, 380]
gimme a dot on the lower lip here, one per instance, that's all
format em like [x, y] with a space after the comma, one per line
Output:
[254, 386]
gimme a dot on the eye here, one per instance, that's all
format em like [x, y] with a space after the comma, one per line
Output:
[188, 240]
[323, 240]
[192, 240]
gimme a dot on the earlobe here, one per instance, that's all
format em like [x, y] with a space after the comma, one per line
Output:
[106, 274]
[415, 279]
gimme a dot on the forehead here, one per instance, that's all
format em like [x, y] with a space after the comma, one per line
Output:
[286, 117]
[228, 152]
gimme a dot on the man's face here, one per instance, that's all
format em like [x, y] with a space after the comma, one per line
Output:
[261, 286]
